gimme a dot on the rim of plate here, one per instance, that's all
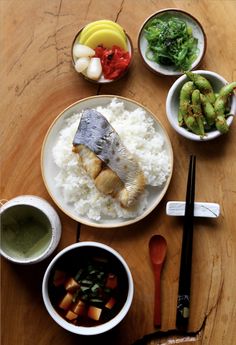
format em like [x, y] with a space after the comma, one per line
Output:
[154, 67]
[108, 223]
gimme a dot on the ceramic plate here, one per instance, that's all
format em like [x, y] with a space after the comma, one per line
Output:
[50, 169]
[197, 31]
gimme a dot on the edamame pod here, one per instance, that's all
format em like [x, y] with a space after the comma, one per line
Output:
[197, 111]
[192, 124]
[203, 85]
[208, 110]
[221, 100]
[184, 102]
[221, 124]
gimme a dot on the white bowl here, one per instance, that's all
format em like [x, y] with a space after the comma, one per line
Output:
[172, 105]
[26, 215]
[75, 249]
[197, 31]
[50, 170]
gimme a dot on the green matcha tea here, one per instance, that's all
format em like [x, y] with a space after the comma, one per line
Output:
[26, 232]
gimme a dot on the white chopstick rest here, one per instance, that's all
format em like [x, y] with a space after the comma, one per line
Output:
[201, 209]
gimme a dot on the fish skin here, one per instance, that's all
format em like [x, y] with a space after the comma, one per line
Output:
[96, 133]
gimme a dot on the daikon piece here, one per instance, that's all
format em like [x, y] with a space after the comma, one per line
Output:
[80, 50]
[82, 63]
[94, 69]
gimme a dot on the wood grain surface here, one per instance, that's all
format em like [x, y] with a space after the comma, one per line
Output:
[37, 83]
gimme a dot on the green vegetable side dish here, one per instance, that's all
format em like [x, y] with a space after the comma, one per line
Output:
[200, 109]
[171, 42]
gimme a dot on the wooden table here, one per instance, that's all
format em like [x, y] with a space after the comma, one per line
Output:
[37, 83]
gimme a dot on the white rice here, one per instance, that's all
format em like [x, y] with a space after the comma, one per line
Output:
[138, 134]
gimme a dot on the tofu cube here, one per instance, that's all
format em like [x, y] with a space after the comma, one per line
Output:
[110, 304]
[94, 313]
[66, 301]
[79, 308]
[111, 282]
[71, 285]
[71, 316]
[59, 278]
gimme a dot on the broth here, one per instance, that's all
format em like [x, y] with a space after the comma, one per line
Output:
[77, 261]
[26, 232]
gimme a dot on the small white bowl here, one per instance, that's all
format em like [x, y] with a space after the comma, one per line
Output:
[71, 252]
[22, 218]
[102, 79]
[197, 31]
[172, 105]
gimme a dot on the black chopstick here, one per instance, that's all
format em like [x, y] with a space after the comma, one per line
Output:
[78, 232]
[183, 302]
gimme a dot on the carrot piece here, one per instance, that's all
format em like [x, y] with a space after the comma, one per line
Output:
[94, 313]
[70, 315]
[111, 282]
[79, 308]
[71, 285]
[110, 304]
[59, 278]
[66, 301]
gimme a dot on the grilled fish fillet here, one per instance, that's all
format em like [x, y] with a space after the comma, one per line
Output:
[106, 160]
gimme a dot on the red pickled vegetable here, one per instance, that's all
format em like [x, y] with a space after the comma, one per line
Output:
[114, 61]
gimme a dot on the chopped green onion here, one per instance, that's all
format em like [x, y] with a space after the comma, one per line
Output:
[95, 287]
[84, 288]
[78, 274]
[86, 282]
[96, 300]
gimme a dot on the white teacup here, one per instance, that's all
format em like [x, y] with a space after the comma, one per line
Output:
[30, 229]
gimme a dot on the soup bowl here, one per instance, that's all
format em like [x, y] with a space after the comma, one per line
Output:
[88, 288]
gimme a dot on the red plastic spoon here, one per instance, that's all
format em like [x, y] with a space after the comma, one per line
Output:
[157, 251]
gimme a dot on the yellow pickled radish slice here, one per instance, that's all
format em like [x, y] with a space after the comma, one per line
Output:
[85, 35]
[115, 26]
[107, 38]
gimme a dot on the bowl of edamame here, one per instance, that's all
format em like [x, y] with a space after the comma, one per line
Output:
[201, 105]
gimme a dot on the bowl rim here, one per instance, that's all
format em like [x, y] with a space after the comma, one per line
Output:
[105, 81]
[127, 221]
[179, 73]
[81, 330]
[183, 131]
